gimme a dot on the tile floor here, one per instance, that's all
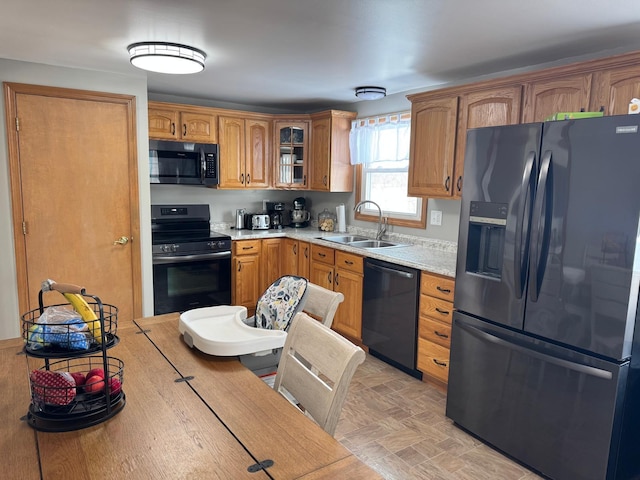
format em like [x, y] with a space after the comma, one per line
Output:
[396, 424]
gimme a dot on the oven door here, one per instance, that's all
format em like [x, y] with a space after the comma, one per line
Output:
[191, 281]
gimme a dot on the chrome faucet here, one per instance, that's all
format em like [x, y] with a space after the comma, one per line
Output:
[382, 228]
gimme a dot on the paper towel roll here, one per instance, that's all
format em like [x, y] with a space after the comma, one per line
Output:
[342, 224]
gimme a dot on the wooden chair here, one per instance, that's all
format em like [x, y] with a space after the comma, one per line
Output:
[333, 357]
[322, 304]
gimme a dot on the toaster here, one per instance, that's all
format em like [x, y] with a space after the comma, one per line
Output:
[257, 221]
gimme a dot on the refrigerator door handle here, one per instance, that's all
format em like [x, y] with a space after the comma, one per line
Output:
[545, 357]
[540, 245]
[526, 197]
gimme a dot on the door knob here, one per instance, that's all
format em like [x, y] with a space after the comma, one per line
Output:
[121, 241]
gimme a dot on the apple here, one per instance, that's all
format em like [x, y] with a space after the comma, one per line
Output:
[79, 377]
[115, 387]
[94, 384]
[96, 372]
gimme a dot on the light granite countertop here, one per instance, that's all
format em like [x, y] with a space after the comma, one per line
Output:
[431, 255]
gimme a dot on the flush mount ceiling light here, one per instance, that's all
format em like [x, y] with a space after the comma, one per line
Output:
[163, 57]
[371, 93]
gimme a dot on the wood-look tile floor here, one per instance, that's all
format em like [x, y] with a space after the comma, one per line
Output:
[396, 424]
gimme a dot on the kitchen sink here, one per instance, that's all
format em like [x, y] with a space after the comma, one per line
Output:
[374, 244]
[345, 238]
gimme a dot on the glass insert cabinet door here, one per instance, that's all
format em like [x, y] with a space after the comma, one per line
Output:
[292, 150]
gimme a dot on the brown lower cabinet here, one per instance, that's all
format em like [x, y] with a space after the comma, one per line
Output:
[341, 272]
[245, 273]
[296, 255]
[434, 327]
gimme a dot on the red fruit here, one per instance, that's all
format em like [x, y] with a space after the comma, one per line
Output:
[79, 377]
[96, 371]
[94, 384]
[115, 387]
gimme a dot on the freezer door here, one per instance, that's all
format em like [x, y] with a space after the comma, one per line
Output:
[499, 182]
[583, 286]
[553, 409]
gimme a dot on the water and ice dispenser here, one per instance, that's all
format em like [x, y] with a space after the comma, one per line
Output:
[485, 245]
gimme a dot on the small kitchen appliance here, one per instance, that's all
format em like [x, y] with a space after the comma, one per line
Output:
[256, 221]
[183, 163]
[276, 213]
[191, 264]
[299, 215]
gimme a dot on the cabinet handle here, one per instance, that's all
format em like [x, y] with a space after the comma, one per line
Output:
[443, 312]
[446, 183]
[242, 178]
[322, 255]
[173, 128]
[329, 277]
[348, 262]
[442, 364]
[247, 248]
[443, 290]
[295, 249]
[442, 335]
[184, 129]
[459, 183]
[306, 252]
[248, 178]
[239, 266]
[304, 180]
[324, 180]
[337, 278]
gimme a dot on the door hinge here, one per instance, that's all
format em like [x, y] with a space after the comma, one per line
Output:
[24, 228]
[17, 124]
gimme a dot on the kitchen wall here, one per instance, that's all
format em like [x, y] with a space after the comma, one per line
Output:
[39, 74]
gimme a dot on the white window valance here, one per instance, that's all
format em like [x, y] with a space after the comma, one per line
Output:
[384, 138]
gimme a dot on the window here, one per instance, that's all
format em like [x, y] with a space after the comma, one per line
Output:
[380, 151]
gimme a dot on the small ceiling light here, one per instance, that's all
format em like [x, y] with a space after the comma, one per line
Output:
[163, 57]
[371, 93]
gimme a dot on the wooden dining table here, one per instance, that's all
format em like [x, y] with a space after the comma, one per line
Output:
[187, 415]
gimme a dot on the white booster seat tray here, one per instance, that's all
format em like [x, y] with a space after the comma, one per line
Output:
[221, 331]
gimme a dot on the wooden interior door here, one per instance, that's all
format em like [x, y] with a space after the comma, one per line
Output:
[74, 187]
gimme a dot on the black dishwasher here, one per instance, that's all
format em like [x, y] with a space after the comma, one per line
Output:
[390, 313]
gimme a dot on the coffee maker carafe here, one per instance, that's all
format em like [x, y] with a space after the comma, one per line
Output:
[299, 215]
[276, 214]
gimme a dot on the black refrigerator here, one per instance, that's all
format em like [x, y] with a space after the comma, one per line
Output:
[545, 348]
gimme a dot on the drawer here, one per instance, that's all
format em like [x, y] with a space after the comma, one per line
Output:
[322, 254]
[434, 331]
[433, 360]
[437, 286]
[436, 308]
[349, 261]
[247, 247]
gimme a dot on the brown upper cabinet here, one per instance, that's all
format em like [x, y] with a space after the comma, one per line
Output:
[244, 152]
[291, 160]
[168, 122]
[614, 88]
[543, 98]
[432, 147]
[484, 108]
[331, 169]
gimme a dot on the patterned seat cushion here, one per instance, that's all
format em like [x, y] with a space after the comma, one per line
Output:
[280, 302]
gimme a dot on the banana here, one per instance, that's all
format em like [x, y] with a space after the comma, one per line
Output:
[81, 306]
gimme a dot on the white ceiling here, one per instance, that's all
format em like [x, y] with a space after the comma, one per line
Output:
[305, 55]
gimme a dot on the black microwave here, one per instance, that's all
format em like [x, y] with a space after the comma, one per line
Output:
[183, 163]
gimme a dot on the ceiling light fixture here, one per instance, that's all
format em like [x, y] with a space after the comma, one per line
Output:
[371, 93]
[163, 57]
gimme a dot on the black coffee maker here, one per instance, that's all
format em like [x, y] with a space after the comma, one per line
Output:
[276, 213]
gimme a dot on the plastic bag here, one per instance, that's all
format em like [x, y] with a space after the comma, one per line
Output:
[62, 327]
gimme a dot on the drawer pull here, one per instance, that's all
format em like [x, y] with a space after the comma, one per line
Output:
[322, 255]
[247, 248]
[348, 262]
[441, 364]
[442, 335]
[443, 290]
[443, 312]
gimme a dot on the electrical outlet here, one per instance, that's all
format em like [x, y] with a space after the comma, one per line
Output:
[436, 217]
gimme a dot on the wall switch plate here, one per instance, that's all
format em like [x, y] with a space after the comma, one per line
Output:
[436, 217]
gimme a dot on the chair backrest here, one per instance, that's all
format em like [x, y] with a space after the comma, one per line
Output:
[280, 302]
[335, 359]
[322, 303]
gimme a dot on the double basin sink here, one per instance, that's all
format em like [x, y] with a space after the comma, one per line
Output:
[361, 242]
